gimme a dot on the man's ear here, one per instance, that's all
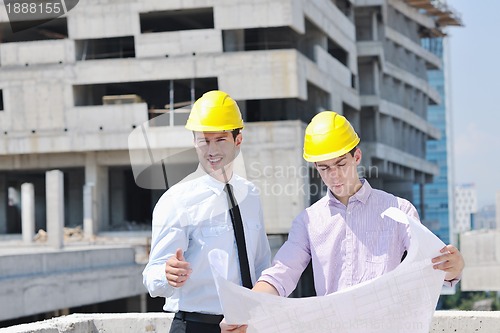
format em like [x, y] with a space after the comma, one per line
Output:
[357, 155]
[238, 139]
[194, 138]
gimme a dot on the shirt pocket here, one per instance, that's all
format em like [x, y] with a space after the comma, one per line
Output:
[215, 228]
[253, 229]
[378, 245]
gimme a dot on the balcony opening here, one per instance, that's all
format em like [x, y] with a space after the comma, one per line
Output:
[289, 108]
[159, 96]
[353, 116]
[283, 38]
[105, 48]
[176, 20]
[270, 39]
[345, 7]
[367, 77]
[368, 124]
[313, 37]
[337, 52]
[55, 29]
[364, 24]
[273, 38]
[131, 205]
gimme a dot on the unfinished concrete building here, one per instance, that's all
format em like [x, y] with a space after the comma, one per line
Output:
[393, 88]
[75, 90]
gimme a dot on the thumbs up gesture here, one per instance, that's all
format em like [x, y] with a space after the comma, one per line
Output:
[177, 269]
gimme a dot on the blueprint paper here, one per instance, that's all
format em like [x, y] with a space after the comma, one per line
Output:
[402, 300]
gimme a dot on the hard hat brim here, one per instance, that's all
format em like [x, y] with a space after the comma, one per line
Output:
[329, 156]
[229, 128]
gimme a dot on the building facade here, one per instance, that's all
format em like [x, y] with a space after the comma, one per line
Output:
[465, 207]
[102, 94]
[485, 218]
[434, 201]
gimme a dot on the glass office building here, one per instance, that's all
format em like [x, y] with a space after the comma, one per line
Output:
[434, 200]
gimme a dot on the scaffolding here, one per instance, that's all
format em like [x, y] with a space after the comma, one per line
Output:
[438, 9]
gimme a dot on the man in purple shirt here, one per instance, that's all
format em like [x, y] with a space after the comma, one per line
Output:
[343, 233]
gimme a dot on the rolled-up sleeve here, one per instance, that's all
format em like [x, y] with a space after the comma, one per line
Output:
[291, 259]
[169, 232]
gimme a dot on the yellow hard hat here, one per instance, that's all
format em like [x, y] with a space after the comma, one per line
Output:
[215, 111]
[328, 135]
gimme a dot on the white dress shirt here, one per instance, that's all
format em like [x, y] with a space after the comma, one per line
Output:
[194, 216]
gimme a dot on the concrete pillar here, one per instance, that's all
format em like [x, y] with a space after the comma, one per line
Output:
[376, 79]
[28, 212]
[55, 208]
[3, 204]
[98, 176]
[117, 196]
[74, 207]
[144, 303]
[374, 26]
[89, 211]
[376, 124]
[421, 189]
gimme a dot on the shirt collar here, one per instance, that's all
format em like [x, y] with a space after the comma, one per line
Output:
[364, 192]
[361, 195]
[216, 186]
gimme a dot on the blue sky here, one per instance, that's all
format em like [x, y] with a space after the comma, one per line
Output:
[475, 100]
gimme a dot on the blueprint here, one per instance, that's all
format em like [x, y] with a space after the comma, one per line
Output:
[402, 300]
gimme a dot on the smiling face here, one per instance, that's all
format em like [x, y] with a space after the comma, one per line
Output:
[216, 153]
[340, 175]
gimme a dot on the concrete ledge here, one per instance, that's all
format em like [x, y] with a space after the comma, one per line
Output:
[387, 153]
[466, 321]
[38, 52]
[115, 118]
[185, 42]
[444, 321]
[94, 323]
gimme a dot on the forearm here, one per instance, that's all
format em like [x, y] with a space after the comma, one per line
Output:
[265, 287]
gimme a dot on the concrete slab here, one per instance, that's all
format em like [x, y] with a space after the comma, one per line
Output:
[43, 280]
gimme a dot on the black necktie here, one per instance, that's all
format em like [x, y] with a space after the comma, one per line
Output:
[239, 234]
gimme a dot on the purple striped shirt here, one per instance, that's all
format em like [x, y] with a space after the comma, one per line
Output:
[347, 245]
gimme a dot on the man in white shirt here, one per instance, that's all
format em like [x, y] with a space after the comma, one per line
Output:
[194, 217]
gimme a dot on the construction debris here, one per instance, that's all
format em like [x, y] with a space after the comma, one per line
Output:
[70, 234]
